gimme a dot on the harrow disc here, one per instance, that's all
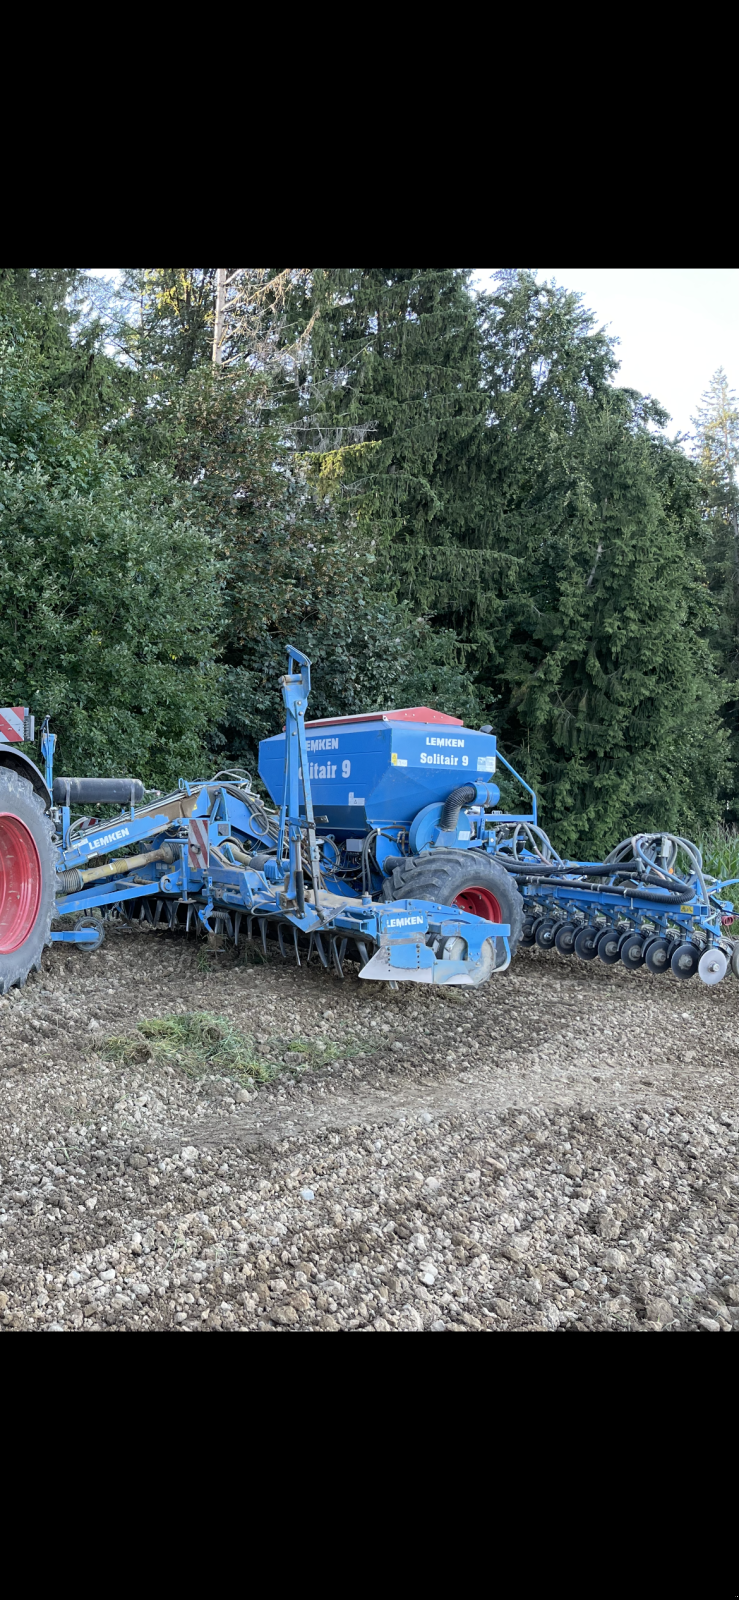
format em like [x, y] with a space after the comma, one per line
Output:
[658, 955]
[564, 938]
[545, 933]
[609, 946]
[632, 951]
[712, 966]
[684, 960]
[586, 944]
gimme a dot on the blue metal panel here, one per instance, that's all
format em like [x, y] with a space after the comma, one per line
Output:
[373, 774]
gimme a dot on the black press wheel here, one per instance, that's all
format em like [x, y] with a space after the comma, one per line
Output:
[684, 960]
[545, 934]
[586, 943]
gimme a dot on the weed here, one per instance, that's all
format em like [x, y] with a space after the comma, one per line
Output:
[196, 1043]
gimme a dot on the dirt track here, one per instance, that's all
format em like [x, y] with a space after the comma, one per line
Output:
[555, 1151]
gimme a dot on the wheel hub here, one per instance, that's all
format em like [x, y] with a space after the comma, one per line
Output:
[480, 902]
[20, 882]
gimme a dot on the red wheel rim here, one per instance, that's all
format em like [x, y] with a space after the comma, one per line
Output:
[480, 902]
[20, 882]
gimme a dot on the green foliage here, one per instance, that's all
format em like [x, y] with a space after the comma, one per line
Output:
[393, 404]
[294, 570]
[109, 592]
[558, 536]
[197, 1044]
[716, 445]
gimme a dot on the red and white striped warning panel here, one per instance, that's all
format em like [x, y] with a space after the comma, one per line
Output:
[198, 844]
[11, 724]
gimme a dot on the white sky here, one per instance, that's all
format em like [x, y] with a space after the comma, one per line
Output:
[675, 325]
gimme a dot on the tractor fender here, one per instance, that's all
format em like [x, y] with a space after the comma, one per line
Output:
[26, 768]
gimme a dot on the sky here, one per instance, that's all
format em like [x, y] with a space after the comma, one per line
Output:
[675, 326]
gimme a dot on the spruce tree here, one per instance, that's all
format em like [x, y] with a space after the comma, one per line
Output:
[716, 449]
[392, 405]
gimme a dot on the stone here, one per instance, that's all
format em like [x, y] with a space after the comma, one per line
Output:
[608, 1224]
[660, 1311]
[285, 1315]
[330, 1325]
[437, 1327]
[433, 1185]
[732, 1293]
[307, 1194]
[73, 1278]
[190, 1154]
[615, 1259]
[710, 1324]
[428, 1276]
[302, 1300]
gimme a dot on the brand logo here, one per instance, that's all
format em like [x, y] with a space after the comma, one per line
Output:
[405, 922]
[458, 744]
[106, 838]
[322, 744]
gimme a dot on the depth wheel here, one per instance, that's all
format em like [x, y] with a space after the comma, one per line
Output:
[464, 878]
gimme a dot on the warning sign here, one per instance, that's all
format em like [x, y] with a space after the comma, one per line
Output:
[198, 855]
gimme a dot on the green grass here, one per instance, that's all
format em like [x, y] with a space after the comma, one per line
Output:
[197, 1043]
[720, 850]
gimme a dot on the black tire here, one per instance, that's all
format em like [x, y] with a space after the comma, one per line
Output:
[442, 875]
[27, 875]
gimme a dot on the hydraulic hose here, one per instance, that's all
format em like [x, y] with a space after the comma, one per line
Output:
[548, 870]
[659, 897]
[463, 796]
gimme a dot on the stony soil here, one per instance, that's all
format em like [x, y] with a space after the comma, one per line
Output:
[556, 1151]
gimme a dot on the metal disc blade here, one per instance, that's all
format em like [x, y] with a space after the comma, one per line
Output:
[712, 966]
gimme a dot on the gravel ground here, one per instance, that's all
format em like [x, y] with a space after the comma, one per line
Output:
[556, 1151]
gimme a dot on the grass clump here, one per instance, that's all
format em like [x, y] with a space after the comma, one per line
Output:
[196, 1043]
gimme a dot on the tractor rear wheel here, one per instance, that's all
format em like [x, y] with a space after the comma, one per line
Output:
[26, 879]
[464, 878]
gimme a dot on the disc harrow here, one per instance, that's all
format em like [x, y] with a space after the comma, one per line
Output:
[648, 904]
